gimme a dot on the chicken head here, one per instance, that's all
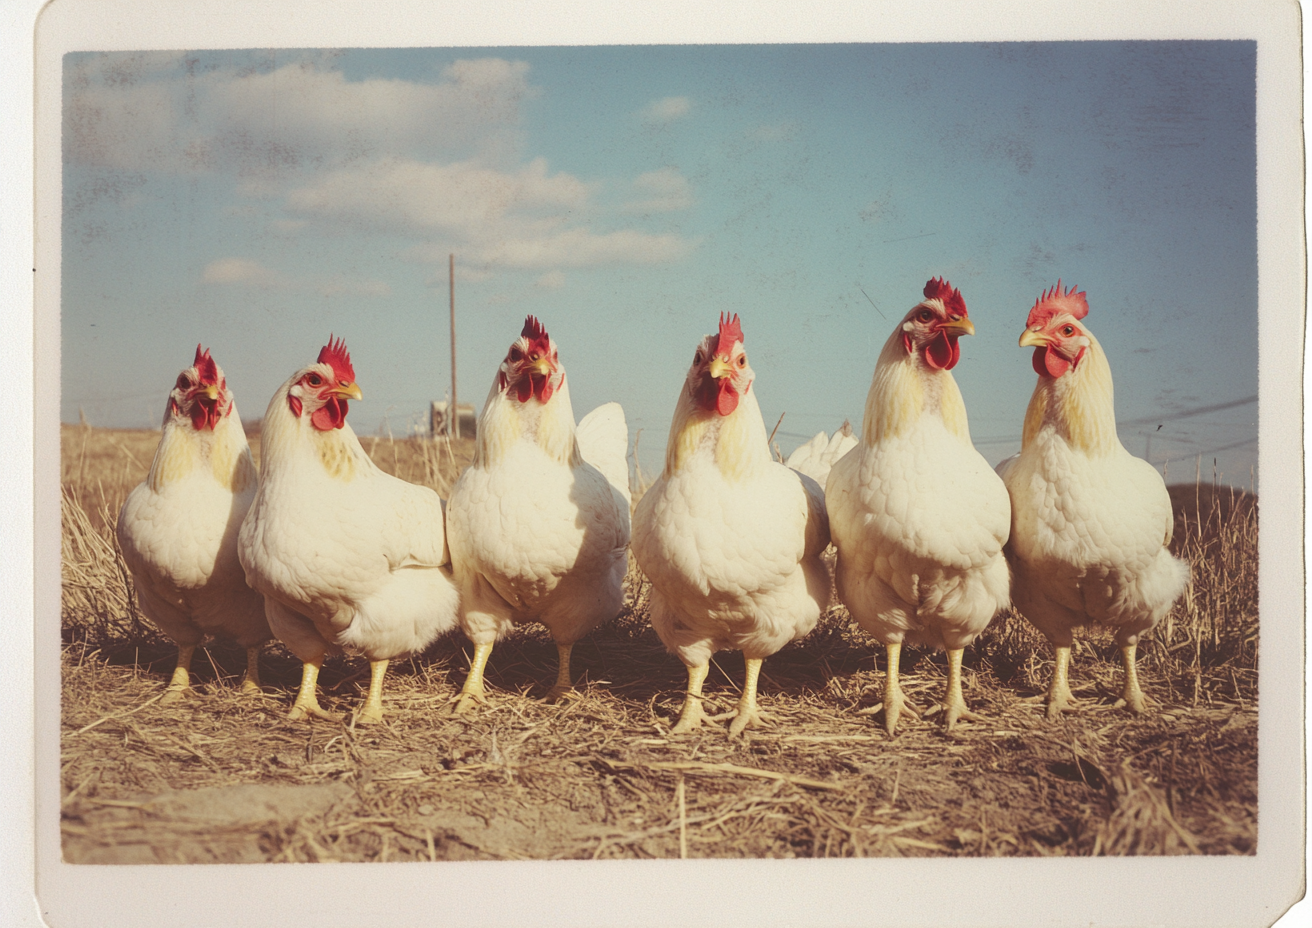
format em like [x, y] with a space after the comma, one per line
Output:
[1054, 331]
[201, 394]
[933, 326]
[532, 365]
[720, 374]
[322, 389]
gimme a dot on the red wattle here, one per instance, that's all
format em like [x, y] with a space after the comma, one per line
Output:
[942, 352]
[538, 385]
[331, 415]
[204, 415]
[727, 399]
[1049, 363]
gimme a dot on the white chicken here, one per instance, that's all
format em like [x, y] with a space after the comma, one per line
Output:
[729, 538]
[539, 522]
[348, 557]
[818, 456]
[1090, 522]
[178, 529]
[918, 516]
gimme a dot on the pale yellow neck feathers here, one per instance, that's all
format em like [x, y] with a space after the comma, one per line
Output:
[1078, 406]
[903, 391]
[505, 421]
[284, 436]
[737, 441]
[223, 452]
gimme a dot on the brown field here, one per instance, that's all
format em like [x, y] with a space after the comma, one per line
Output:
[227, 778]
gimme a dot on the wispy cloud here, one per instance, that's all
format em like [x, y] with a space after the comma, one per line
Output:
[246, 272]
[663, 190]
[552, 280]
[666, 110]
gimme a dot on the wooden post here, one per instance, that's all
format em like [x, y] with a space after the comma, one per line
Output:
[453, 414]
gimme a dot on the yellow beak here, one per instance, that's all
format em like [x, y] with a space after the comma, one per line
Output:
[349, 390]
[1031, 338]
[962, 326]
[720, 367]
[543, 366]
[212, 391]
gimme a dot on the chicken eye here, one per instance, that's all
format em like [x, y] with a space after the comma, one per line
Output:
[516, 355]
[183, 383]
[698, 358]
[925, 315]
[314, 380]
[1068, 330]
[742, 360]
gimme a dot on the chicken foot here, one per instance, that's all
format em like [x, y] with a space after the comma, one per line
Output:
[954, 706]
[372, 711]
[1131, 696]
[692, 715]
[307, 699]
[1059, 690]
[473, 691]
[747, 715]
[250, 684]
[562, 687]
[895, 703]
[180, 685]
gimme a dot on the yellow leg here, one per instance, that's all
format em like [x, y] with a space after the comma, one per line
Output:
[251, 683]
[1132, 696]
[748, 715]
[307, 700]
[472, 691]
[894, 702]
[180, 685]
[563, 685]
[1059, 690]
[954, 706]
[692, 715]
[373, 703]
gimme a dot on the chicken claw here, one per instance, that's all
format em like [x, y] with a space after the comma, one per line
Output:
[179, 687]
[473, 691]
[307, 702]
[747, 715]
[372, 710]
[954, 706]
[1132, 696]
[692, 714]
[895, 703]
[250, 684]
[562, 687]
[1059, 690]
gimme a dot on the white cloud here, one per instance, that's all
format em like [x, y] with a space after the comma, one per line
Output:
[421, 197]
[142, 112]
[242, 271]
[245, 272]
[666, 110]
[665, 190]
[552, 280]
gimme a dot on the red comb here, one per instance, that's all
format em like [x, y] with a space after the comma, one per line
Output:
[1054, 301]
[730, 331]
[537, 336]
[207, 370]
[336, 356]
[939, 289]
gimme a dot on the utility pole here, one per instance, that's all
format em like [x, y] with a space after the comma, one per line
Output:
[453, 414]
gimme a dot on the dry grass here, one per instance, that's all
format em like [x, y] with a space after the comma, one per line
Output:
[226, 777]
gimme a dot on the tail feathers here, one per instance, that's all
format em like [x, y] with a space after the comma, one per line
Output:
[603, 437]
[818, 456]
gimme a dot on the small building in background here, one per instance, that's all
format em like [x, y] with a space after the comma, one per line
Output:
[468, 421]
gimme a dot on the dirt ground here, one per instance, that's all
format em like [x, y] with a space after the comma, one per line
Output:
[226, 777]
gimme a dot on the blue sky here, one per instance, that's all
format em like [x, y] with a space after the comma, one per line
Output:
[257, 200]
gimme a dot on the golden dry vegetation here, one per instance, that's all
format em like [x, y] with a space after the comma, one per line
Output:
[227, 778]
